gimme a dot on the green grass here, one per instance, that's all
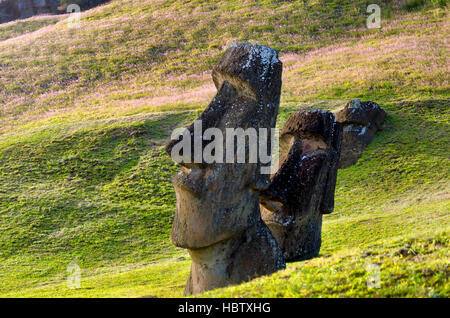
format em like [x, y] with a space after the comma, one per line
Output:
[22, 27]
[413, 267]
[84, 177]
[165, 279]
[98, 194]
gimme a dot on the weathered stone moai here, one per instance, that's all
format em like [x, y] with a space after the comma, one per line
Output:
[360, 120]
[218, 216]
[302, 189]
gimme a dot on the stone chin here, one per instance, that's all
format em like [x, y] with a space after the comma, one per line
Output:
[205, 218]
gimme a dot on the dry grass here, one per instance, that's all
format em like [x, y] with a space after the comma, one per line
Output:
[397, 66]
[155, 56]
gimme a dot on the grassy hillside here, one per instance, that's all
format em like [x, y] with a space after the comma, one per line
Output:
[146, 56]
[23, 27]
[84, 114]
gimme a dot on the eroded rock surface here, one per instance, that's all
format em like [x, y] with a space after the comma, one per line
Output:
[360, 120]
[218, 216]
[303, 187]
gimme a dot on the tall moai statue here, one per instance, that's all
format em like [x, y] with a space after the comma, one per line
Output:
[218, 215]
[303, 187]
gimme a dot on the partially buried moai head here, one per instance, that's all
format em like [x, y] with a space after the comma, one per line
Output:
[303, 187]
[217, 200]
[218, 217]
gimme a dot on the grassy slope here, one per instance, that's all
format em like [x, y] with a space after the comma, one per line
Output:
[17, 28]
[83, 176]
[147, 56]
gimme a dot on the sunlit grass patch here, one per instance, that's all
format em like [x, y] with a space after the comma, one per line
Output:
[412, 267]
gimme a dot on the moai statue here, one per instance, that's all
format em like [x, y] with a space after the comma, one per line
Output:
[218, 216]
[302, 189]
[361, 120]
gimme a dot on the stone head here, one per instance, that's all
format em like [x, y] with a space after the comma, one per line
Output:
[302, 189]
[217, 200]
